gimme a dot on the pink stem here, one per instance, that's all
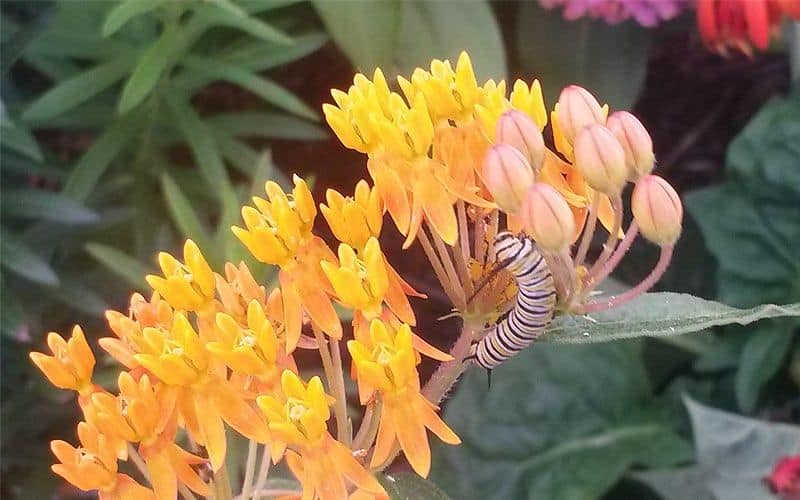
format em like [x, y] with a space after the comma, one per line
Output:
[645, 285]
[616, 257]
[588, 231]
[448, 372]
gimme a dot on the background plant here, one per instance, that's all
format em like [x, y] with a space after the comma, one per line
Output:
[105, 129]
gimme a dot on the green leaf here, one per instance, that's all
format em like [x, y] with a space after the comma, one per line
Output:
[255, 55]
[38, 204]
[213, 14]
[259, 85]
[125, 11]
[76, 90]
[764, 352]
[72, 43]
[657, 315]
[271, 125]
[11, 314]
[98, 157]
[366, 32]
[20, 40]
[20, 259]
[74, 293]
[237, 152]
[558, 422]
[18, 138]
[442, 29]
[406, 486]
[204, 148]
[734, 454]
[121, 264]
[611, 61]
[183, 214]
[148, 70]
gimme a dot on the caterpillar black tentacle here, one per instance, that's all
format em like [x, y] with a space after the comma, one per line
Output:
[533, 308]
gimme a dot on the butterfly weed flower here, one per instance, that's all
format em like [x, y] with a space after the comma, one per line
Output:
[462, 169]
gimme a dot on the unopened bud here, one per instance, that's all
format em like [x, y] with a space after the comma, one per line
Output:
[516, 129]
[638, 146]
[508, 176]
[599, 157]
[547, 217]
[577, 108]
[657, 210]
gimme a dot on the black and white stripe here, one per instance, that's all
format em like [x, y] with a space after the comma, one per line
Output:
[533, 308]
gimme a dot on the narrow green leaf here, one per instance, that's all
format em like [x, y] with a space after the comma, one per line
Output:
[95, 161]
[71, 43]
[148, 70]
[657, 315]
[39, 204]
[237, 152]
[271, 125]
[261, 86]
[259, 29]
[765, 349]
[14, 163]
[183, 214]
[18, 139]
[123, 265]
[258, 56]
[366, 32]
[18, 41]
[230, 7]
[126, 11]
[76, 90]
[406, 485]
[204, 148]
[75, 294]
[20, 259]
[11, 314]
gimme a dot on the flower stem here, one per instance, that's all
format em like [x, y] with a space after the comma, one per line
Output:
[588, 231]
[340, 407]
[222, 484]
[612, 240]
[480, 241]
[338, 373]
[645, 285]
[263, 472]
[448, 372]
[369, 426]
[438, 268]
[593, 279]
[247, 485]
[447, 261]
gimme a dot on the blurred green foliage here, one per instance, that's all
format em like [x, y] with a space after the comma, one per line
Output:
[111, 151]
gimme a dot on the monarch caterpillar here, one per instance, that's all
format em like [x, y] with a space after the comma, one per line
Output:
[533, 307]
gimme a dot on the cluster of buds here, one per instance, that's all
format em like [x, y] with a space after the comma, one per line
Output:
[452, 162]
[558, 198]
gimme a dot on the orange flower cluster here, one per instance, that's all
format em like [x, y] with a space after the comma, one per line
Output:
[208, 351]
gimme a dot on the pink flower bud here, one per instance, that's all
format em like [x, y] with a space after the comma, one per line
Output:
[599, 157]
[547, 217]
[636, 142]
[657, 210]
[515, 128]
[577, 108]
[508, 176]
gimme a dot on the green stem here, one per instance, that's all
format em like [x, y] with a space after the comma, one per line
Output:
[247, 485]
[222, 484]
[340, 406]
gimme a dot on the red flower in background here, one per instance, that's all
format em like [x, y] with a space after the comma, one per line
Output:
[742, 24]
[785, 478]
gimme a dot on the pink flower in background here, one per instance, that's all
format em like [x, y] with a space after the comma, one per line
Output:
[646, 12]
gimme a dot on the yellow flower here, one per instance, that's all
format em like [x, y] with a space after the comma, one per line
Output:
[188, 286]
[354, 220]
[388, 363]
[237, 289]
[145, 414]
[360, 283]
[298, 416]
[93, 466]
[178, 358]
[277, 228]
[71, 364]
[255, 349]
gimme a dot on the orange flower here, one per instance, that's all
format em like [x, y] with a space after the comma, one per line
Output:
[145, 414]
[388, 363]
[741, 24]
[71, 364]
[93, 466]
[354, 220]
[298, 416]
[188, 286]
[205, 399]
